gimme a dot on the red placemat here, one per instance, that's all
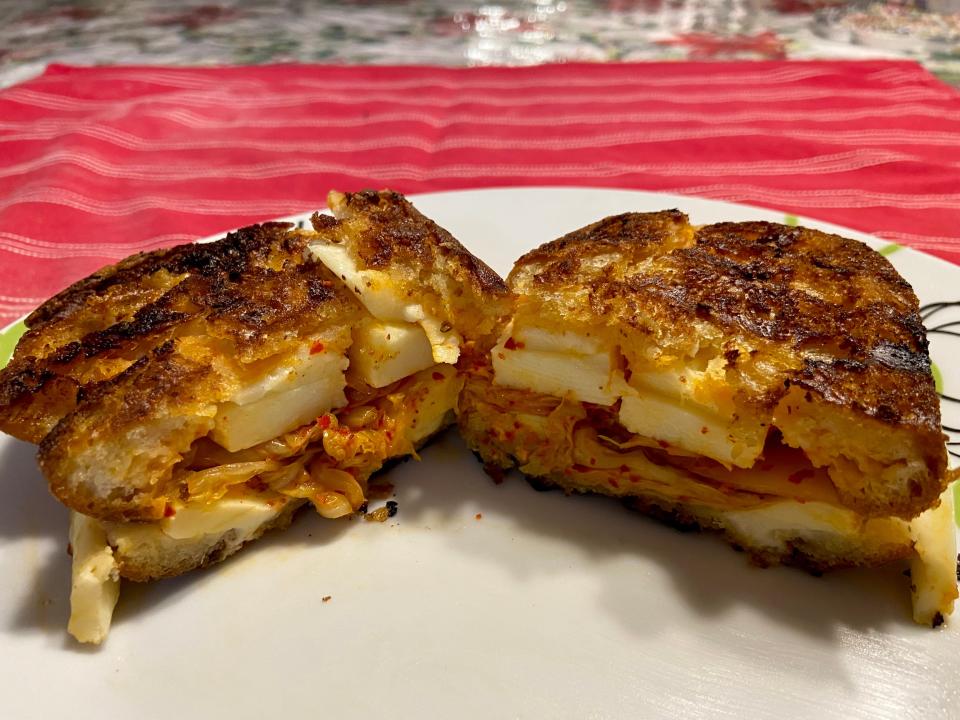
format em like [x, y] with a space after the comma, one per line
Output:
[100, 162]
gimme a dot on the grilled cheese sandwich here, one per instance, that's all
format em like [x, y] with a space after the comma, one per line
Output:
[186, 401]
[768, 382]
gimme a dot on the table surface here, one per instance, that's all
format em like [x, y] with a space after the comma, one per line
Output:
[440, 32]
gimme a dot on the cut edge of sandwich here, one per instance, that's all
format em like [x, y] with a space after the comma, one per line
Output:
[251, 436]
[613, 376]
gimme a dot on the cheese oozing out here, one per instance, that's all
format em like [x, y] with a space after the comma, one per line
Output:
[385, 301]
[933, 570]
[95, 584]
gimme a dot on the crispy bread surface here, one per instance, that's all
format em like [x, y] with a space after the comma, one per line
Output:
[248, 296]
[121, 374]
[814, 333]
[385, 232]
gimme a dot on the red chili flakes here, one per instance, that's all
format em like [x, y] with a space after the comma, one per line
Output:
[663, 443]
[510, 344]
[509, 434]
[323, 421]
[634, 479]
[613, 483]
[438, 376]
[704, 430]
[624, 469]
[478, 516]
[516, 425]
[317, 347]
[800, 475]
[168, 511]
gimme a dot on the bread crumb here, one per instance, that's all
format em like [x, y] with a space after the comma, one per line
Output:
[326, 598]
[478, 516]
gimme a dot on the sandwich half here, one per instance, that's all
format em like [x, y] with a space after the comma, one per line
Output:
[186, 401]
[768, 382]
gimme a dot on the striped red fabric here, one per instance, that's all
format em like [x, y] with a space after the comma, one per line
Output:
[102, 162]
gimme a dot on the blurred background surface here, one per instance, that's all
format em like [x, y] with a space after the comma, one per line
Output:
[456, 33]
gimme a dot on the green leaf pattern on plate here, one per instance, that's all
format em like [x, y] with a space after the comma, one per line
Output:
[8, 341]
[890, 249]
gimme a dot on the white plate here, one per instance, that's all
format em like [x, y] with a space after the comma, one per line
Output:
[546, 606]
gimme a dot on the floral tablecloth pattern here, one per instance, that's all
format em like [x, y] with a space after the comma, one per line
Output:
[436, 32]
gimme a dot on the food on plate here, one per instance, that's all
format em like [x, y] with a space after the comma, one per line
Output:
[187, 400]
[768, 382]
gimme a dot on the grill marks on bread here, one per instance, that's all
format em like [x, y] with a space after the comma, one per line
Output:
[787, 309]
[253, 292]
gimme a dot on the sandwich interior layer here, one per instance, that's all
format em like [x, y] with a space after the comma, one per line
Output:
[234, 497]
[782, 508]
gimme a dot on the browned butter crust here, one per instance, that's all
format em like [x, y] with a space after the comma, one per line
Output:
[797, 314]
[251, 292]
[394, 233]
[385, 232]
[120, 373]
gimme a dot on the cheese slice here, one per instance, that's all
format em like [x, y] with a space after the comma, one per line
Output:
[384, 352]
[689, 410]
[290, 399]
[385, 301]
[562, 364]
[243, 514]
[95, 584]
[933, 570]
[440, 398]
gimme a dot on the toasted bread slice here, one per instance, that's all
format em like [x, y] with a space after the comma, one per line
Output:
[187, 400]
[767, 381]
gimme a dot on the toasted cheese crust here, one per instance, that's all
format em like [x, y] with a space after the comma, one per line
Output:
[806, 331]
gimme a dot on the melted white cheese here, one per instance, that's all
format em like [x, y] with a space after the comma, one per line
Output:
[95, 584]
[244, 515]
[664, 406]
[933, 571]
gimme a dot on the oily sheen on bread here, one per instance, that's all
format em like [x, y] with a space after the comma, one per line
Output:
[769, 382]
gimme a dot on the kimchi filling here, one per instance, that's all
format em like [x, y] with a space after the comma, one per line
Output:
[586, 444]
[329, 460]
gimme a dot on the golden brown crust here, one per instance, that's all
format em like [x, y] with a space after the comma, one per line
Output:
[120, 374]
[385, 232]
[785, 307]
[252, 292]
[395, 233]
